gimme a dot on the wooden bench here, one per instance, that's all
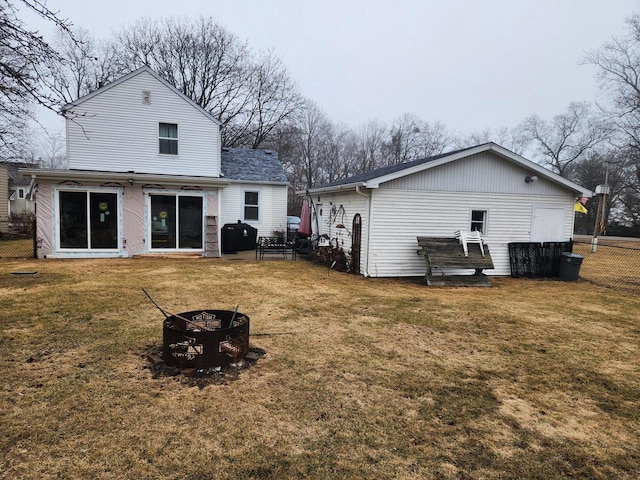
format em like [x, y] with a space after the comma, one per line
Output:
[448, 254]
[275, 246]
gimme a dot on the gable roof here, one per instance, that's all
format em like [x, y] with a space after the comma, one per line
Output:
[374, 178]
[134, 73]
[252, 165]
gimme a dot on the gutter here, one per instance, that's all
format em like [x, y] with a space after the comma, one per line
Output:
[368, 197]
[335, 188]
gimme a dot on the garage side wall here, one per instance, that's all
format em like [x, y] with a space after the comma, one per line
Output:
[399, 216]
[340, 209]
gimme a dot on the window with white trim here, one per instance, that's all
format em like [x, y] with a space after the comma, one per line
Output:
[478, 221]
[251, 205]
[20, 193]
[168, 138]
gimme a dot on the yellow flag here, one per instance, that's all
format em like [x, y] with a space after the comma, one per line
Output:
[578, 207]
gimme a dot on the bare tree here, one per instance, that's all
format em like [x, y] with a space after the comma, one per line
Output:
[273, 99]
[85, 66]
[568, 138]
[23, 57]
[618, 63]
[411, 139]
[510, 138]
[250, 94]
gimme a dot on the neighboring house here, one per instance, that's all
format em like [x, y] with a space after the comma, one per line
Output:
[487, 188]
[15, 192]
[20, 186]
[146, 174]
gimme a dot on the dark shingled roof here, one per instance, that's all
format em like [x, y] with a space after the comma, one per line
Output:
[246, 164]
[380, 172]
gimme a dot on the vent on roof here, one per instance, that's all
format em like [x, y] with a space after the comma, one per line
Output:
[268, 152]
[225, 149]
[146, 97]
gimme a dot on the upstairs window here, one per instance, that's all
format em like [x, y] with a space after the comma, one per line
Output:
[20, 193]
[478, 221]
[251, 205]
[168, 134]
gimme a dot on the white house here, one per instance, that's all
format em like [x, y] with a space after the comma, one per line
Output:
[488, 188]
[16, 189]
[146, 174]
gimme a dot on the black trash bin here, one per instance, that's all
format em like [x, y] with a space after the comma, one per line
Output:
[238, 236]
[569, 266]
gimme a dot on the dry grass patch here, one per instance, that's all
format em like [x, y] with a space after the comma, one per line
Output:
[363, 378]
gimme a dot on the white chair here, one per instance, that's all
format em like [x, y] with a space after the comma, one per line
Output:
[469, 237]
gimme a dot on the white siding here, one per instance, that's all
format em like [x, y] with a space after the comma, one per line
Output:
[347, 205]
[272, 211]
[4, 193]
[116, 132]
[399, 216]
[483, 172]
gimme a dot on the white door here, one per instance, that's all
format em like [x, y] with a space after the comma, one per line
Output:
[547, 224]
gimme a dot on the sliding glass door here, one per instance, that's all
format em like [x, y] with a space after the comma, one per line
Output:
[176, 222]
[88, 220]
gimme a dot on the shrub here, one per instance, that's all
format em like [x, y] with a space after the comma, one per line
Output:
[22, 223]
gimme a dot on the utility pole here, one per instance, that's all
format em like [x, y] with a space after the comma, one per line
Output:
[603, 191]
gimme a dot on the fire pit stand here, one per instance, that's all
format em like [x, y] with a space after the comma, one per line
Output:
[204, 339]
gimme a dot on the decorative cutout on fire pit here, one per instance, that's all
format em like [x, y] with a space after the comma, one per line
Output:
[205, 319]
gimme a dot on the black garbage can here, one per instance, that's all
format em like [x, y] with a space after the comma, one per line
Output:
[238, 236]
[569, 266]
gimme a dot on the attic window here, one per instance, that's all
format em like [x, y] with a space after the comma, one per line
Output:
[168, 136]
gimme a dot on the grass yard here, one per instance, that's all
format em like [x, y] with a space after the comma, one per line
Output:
[363, 378]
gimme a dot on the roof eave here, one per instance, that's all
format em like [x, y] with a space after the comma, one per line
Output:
[334, 188]
[125, 177]
[258, 182]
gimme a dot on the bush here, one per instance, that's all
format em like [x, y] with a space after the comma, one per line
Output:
[22, 223]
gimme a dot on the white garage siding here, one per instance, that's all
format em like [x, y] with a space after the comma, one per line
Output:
[351, 203]
[400, 216]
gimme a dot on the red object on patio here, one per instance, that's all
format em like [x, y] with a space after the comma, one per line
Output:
[305, 218]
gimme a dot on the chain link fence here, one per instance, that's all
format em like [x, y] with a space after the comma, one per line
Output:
[615, 263]
[18, 238]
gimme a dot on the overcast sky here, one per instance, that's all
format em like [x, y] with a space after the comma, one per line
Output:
[471, 64]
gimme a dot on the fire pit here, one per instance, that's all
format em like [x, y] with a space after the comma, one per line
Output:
[205, 338]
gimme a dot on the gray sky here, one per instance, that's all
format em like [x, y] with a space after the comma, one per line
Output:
[470, 64]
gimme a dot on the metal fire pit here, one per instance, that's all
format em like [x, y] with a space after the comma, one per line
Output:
[205, 338]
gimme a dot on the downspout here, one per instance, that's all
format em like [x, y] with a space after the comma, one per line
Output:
[368, 197]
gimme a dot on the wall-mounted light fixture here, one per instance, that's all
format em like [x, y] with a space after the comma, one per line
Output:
[531, 178]
[130, 181]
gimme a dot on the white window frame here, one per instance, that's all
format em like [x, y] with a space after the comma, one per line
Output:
[245, 204]
[88, 190]
[176, 139]
[21, 193]
[485, 220]
[174, 193]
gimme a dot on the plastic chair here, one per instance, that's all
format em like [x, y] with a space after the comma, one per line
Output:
[469, 237]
